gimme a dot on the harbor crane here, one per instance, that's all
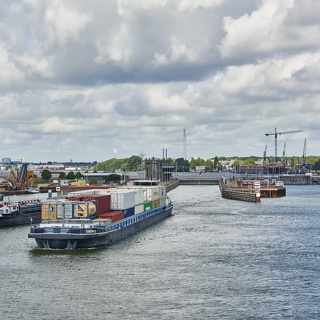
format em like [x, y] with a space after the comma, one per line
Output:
[275, 134]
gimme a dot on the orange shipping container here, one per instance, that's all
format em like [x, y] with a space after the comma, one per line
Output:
[113, 215]
[102, 202]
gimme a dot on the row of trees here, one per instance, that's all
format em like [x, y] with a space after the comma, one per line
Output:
[134, 163]
[46, 175]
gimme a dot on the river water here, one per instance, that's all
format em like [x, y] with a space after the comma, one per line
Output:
[213, 259]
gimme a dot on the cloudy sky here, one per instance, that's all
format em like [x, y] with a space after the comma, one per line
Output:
[90, 80]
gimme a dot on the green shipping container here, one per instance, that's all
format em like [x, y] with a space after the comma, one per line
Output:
[147, 205]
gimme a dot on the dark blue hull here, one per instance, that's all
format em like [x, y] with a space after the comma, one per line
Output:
[28, 214]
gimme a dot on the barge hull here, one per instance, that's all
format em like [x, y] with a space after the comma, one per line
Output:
[95, 240]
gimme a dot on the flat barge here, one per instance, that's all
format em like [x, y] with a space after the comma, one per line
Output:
[253, 191]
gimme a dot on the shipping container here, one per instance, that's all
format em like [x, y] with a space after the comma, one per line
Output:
[147, 205]
[138, 194]
[113, 215]
[163, 192]
[122, 199]
[85, 209]
[49, 211]
[155, 203]
[68, 210]
[128, 212]
[150, 193]
[162, 201]
[78, 183]
[52, 210]
[74, 198]
[102, 202]
[153, 193]
[139, 208]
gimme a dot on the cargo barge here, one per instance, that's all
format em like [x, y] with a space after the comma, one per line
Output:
[96, 218]
[15, 213]
[250, 190]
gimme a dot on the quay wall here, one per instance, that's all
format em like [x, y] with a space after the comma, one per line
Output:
[199, 181]
[171, 185]
[300, 179]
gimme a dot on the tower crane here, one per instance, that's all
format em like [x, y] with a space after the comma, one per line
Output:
[275, 134]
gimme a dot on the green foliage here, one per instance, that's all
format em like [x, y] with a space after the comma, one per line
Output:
[113, 177]
[316, 165]
[78, 175]
[128, 164]
[46, 175]
[216, 162]
[182, 165]
[71, 175]
[62, 176]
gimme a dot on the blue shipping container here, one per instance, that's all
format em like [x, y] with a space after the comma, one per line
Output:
[128, 212]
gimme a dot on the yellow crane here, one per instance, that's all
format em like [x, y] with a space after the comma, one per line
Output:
[275, 134]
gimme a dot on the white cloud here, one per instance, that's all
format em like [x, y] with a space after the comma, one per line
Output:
[132, 75]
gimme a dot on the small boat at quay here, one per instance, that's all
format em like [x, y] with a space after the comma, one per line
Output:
[98, 218]
[14, 213]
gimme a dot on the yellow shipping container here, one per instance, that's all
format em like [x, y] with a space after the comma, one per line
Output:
[155, 203]
[84, 209]
[49, 211]
[78, 183]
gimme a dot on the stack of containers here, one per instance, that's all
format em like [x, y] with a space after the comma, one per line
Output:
[123, 200]
[139, 201]
[154, 196]
[163, 195]
[102, 202]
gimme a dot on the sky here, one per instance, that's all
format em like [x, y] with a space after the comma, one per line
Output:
[91, 80]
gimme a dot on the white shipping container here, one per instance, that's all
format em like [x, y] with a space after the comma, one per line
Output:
[64, 210]
[162, 201]
[139, 208]
[122, 200]
[153, 193]
[139, 195]
[162, 192]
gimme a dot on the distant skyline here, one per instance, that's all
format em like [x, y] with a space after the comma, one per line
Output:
[87, 80]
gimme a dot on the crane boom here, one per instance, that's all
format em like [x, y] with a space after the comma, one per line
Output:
[275, 134]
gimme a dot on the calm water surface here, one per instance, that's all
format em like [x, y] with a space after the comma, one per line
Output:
[214, 259]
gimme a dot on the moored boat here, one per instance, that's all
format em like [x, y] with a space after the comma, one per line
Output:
[14, 213]
[96, 218]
